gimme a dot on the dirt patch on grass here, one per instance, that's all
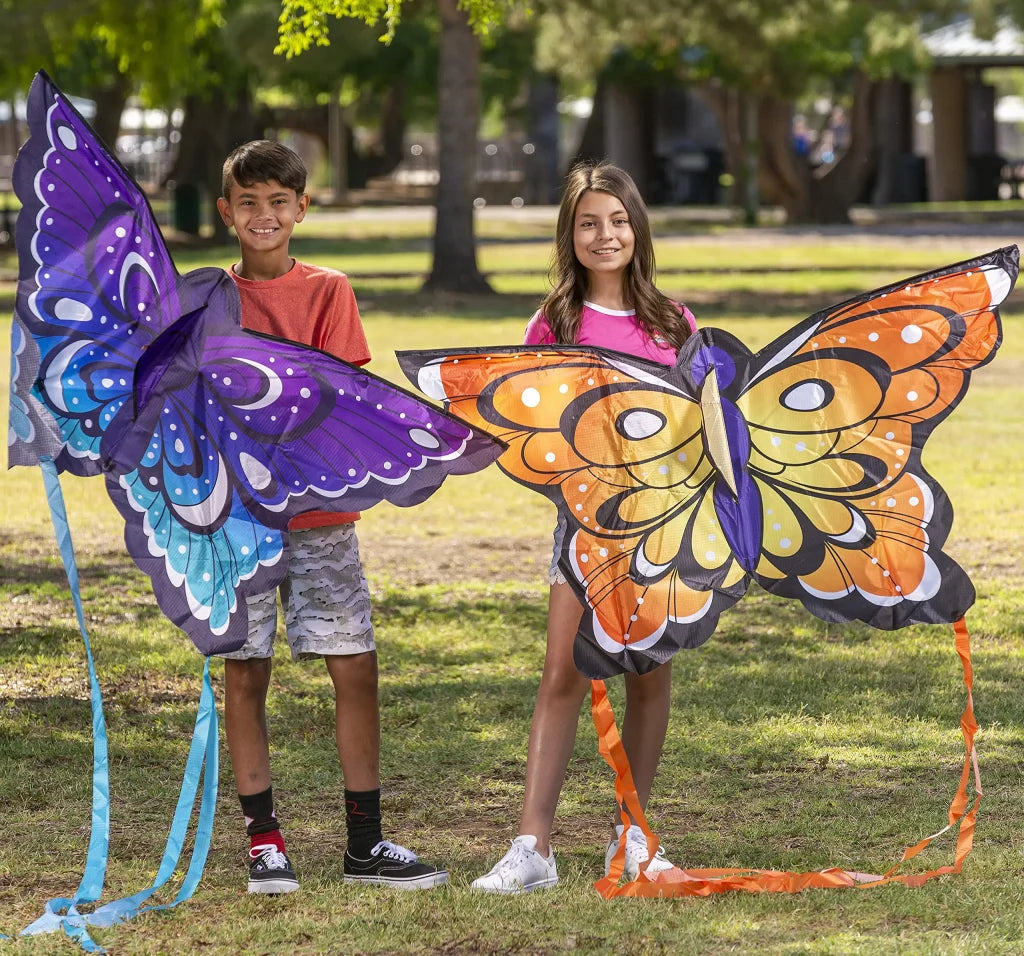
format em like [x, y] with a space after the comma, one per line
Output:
[417, 562]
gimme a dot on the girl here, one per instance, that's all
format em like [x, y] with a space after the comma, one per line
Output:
[603, 294]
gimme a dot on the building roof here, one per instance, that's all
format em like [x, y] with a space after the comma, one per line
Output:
[956, 45]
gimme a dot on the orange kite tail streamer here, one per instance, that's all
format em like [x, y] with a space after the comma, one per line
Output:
[705, 882]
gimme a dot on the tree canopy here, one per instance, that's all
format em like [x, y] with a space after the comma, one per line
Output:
[307, 23]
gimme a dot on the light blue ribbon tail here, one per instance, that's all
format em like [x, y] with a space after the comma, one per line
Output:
[91, 886]
[203, 762]
[203, 751]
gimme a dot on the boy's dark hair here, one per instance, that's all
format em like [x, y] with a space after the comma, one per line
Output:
[261, 160]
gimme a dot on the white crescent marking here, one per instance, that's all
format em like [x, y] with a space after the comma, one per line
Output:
[56, 370]
[203, 514]
[856, 531]
[274, 386]
[133, 258]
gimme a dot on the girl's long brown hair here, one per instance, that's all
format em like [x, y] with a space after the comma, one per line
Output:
[563, 305]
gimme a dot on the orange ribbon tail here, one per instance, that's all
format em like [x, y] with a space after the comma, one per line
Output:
[705, 882]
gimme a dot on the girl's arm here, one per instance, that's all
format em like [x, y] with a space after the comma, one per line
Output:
[538, 332]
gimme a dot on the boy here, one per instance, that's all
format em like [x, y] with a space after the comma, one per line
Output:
[325, 597]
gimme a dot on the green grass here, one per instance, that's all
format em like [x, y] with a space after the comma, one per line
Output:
[792, 744]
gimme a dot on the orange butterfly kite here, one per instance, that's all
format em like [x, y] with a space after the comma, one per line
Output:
[798, 466]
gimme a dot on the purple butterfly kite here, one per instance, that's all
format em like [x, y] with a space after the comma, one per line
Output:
[211, 437]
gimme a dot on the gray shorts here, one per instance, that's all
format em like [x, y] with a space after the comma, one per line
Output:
[555, 575]
[325, 599]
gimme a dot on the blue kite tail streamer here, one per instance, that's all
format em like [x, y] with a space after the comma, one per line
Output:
[61, 912]
[203, 750]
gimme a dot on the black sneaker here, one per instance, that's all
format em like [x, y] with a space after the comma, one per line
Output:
[391, 865]
[270, 871]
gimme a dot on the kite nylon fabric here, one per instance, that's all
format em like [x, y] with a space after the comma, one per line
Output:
[212, 438]
[798, 467]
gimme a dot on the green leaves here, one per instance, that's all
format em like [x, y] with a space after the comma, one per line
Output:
[305, 23]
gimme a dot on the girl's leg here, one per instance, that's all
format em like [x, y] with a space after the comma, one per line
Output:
[648, 700]
[555, 715]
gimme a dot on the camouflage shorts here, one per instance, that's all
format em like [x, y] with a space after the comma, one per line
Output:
[324, 596]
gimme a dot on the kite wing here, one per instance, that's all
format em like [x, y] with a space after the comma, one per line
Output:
[212, 437]
[616, 443]
[837, 412]
[96, 283]
[799, 466]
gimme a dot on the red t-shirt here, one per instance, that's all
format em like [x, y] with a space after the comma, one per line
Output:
[311, 305]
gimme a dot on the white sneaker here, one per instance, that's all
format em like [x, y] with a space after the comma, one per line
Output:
[636, 853]
[521, 870]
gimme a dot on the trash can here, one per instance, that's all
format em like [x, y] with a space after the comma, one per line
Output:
[185, 208]
[984, 174]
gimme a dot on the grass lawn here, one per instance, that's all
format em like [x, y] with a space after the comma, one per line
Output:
[793, 744]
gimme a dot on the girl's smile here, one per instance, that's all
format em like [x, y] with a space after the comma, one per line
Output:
[602, 234]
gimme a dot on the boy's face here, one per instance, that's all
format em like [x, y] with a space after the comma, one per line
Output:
[263, 214]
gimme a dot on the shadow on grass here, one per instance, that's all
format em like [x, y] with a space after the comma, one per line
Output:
[99, 570]
[767, 698]
[768, 658]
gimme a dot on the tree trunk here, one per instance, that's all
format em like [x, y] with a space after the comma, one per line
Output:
[542, 182]
[736, 111]
[454, 267]
[822, 195]
[337, 150]
[894, 131]
[388, 149]
[213, 126]
[110, 102]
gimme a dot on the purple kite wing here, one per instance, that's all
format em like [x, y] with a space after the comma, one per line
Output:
[96, 283]
[231, 434]
[212, 438]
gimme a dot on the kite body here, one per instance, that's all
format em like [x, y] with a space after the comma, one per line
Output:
[798, 467]
[211, 437]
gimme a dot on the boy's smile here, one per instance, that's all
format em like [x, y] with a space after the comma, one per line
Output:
[263, 215]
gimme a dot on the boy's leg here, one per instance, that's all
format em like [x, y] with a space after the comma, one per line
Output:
[327, 610]
[245, 722]
[357, 718]
[246, 681]
[357, 734]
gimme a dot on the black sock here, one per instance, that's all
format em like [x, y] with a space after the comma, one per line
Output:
[259, 812]
[362, 821]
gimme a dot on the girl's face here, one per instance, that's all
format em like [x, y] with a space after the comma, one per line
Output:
[602, 235]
